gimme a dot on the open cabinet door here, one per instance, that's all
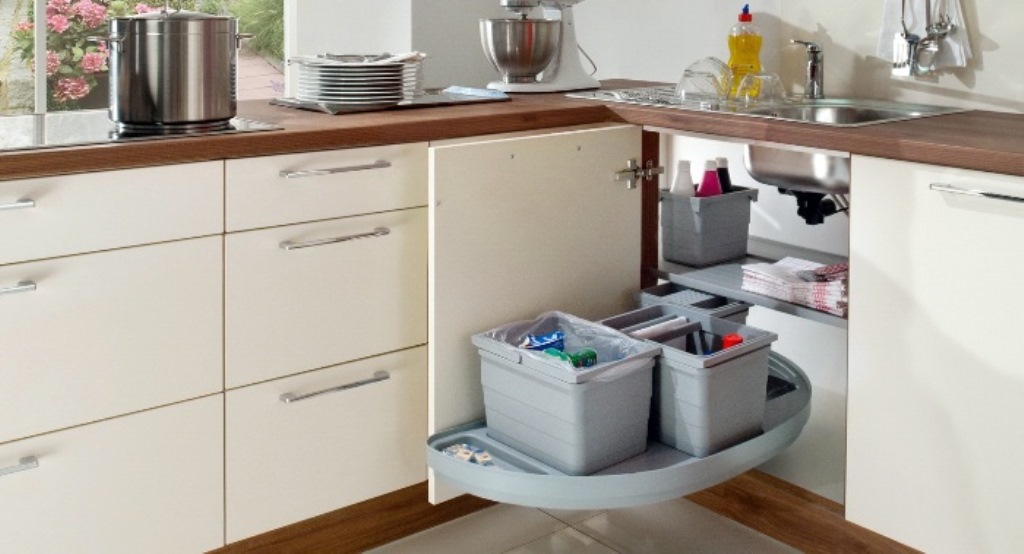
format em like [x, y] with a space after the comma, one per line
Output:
[519, 225]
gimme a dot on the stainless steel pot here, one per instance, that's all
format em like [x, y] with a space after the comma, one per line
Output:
[172, 69]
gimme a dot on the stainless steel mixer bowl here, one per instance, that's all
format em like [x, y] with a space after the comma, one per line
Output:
[520, 48]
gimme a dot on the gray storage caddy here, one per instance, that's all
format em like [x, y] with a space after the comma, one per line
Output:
[705, 231]
[677, 295]
[703, 403]
[577, 420]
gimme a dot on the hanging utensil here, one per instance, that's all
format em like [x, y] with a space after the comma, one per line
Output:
[904, 47]
[929, 47]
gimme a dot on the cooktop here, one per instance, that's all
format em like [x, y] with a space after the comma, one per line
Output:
[25, 132]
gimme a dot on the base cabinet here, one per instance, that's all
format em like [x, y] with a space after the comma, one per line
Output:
[349, 433]
[147, 482]
[936, 380]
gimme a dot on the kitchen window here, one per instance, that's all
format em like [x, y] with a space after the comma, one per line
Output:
[73, 74]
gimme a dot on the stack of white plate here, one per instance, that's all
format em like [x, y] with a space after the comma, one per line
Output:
[340, 80]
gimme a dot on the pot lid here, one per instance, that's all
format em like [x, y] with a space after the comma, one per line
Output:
[173, 22]
[174, 15]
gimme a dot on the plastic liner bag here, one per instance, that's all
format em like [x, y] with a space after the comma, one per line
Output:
[616, 352]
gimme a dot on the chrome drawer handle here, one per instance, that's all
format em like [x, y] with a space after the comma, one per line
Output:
[378, 232]
[23, 286]
[378, 376]
[943, 187]
[22, 204]
[379, 164]
[24, 464]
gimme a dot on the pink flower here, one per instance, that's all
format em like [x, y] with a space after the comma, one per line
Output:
[25, 26]
[52, 63]
[70, 88]
[144, 8]
[57, 23]
[58, 7]
[94, 62]
[92, 14]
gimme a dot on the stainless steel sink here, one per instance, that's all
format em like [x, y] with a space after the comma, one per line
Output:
[846, 112]
[808, 170]
[799, 169]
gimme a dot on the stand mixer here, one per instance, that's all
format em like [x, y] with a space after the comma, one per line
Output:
[536, 55]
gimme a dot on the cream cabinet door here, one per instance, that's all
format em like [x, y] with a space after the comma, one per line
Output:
[104, 334]
[349, 433]
[936, 383]
[521, 225]
[56, 216]
[147, 482]
[278, 190]
[291, 310]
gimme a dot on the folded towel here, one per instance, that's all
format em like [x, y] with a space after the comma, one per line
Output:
[785, 280]
[954, 50]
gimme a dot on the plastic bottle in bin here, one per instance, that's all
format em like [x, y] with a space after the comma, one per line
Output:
[724, 179]
[709, 185]
[585, 357]
[683, 183]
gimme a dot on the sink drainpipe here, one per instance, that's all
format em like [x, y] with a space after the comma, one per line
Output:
[815, 87]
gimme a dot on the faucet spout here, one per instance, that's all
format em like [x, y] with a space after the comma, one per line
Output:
[815, 71]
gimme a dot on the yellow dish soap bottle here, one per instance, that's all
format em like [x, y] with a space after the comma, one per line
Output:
[744, 48]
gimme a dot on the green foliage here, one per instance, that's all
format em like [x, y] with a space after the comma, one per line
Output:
[263, 18]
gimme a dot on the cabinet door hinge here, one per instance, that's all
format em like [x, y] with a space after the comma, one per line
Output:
[634, 173]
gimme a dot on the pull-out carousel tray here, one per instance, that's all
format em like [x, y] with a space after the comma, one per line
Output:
[660, 474]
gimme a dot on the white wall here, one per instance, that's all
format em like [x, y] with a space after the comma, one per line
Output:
[657, 39]
[449, 32]
[849, 32]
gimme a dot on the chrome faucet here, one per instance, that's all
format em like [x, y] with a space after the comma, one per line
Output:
[815, 87]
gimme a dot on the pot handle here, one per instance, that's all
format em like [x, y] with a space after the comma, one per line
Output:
[115, 40]
[240, 36]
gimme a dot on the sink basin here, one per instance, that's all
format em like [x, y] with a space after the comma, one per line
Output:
[806, 170]
[798, 169]
[847, 112]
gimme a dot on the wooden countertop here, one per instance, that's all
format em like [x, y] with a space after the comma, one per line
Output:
[987, 141]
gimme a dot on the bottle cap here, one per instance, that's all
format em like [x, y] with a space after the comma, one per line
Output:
[730, 340]
[710, 165]
[722, 162]
[745, 16]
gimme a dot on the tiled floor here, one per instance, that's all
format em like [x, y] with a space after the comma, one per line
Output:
[257, 79]
[674, 526]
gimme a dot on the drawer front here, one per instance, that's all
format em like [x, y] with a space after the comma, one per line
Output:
[148, 482]
[290, 461]
[294, 310]
[278, 190]
[109, 333]
[56, 216]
